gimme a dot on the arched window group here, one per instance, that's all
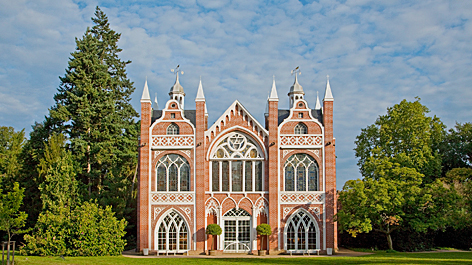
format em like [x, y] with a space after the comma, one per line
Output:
[173, 129]
[301, 173]
[301, 232]
[173, 173]
[301, 129]
[237, 165]
[172, 233]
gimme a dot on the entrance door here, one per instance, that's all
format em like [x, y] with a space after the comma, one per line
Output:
[237, 231]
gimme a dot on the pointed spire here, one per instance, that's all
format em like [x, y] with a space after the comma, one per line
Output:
[273, 92]
[200, 95]
[145, 96]
[156, 105]
[318, 105]
[328, 95]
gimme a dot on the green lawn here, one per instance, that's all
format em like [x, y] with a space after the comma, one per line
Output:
[378, 258]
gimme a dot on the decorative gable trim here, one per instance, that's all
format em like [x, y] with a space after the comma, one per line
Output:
[237, 108]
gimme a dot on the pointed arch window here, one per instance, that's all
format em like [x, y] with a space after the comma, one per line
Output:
[173, 173]
[173, 129]
[172, 233]
[301, 128]
[237, 165]
[301, 232]
[301, 173]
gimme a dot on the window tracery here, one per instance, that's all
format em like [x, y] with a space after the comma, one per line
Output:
[172, 233]
[236, 165]
[173, 129]
[301, 173]
[173, 173]
[301, 128]
[301, 232]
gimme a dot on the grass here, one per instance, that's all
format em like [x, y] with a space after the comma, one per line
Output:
[377, 258]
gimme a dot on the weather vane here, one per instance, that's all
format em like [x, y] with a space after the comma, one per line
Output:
[297, 70]
[176, 70]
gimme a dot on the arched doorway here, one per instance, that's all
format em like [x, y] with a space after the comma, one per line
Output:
[301, 232]
[171, 234]
[237, 231]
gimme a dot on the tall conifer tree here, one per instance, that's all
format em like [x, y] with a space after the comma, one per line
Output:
[93, 111]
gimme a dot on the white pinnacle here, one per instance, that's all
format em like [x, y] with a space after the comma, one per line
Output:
[318, 105]
[145, 96]
[273, 92]
[200, 95]
[328, 95]
[156, 105]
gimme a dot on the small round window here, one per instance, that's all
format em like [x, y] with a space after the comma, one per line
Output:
[173, 105]
[300, 105]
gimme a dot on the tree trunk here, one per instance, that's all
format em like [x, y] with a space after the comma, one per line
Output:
[389, 240]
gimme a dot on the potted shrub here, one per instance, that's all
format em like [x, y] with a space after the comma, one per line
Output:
[214, 230]
[263, 230]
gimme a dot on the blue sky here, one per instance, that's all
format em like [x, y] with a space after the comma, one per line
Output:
[375, 52]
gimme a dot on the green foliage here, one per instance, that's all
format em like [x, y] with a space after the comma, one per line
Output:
[92, 110]
[400, 162]
[68, 226]
[59, 188]
[12, 220]
[11, 144]
[406, 137]
[87, 230]
[213, 229]
[456, 149]
[264, 230]
[370, 204]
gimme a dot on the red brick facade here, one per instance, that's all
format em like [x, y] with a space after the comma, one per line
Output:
[237, 173]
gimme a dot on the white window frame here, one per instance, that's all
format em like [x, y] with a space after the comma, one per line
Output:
[306, 225]
[167, 167]
[168, 226]
[307, 174]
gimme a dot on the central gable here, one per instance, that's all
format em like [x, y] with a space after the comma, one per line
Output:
[236, 115]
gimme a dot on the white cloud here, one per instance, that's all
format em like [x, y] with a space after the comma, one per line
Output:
[376, 53]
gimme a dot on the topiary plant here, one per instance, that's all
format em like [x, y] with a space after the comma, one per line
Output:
[214, 230]
[263, 230]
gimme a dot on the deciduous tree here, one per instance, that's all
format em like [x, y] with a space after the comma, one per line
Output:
[406, 136]
[12, 220]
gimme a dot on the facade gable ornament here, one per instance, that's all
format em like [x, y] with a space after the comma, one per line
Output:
[211, 208]
[316, 152]
[261, 207]
[316, 210]
[157, 210]
[236, 109]
[187, 211]
[287, 210]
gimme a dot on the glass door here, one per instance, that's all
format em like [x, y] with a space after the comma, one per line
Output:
[237, 231]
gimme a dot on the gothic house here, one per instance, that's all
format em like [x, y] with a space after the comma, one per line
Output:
[237, 173]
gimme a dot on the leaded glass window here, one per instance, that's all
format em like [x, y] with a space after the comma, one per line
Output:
[301, 232]
[301, 128]
[173, 173]
[172, 233]
[301, 173]
[237, 164]
[173, 129]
